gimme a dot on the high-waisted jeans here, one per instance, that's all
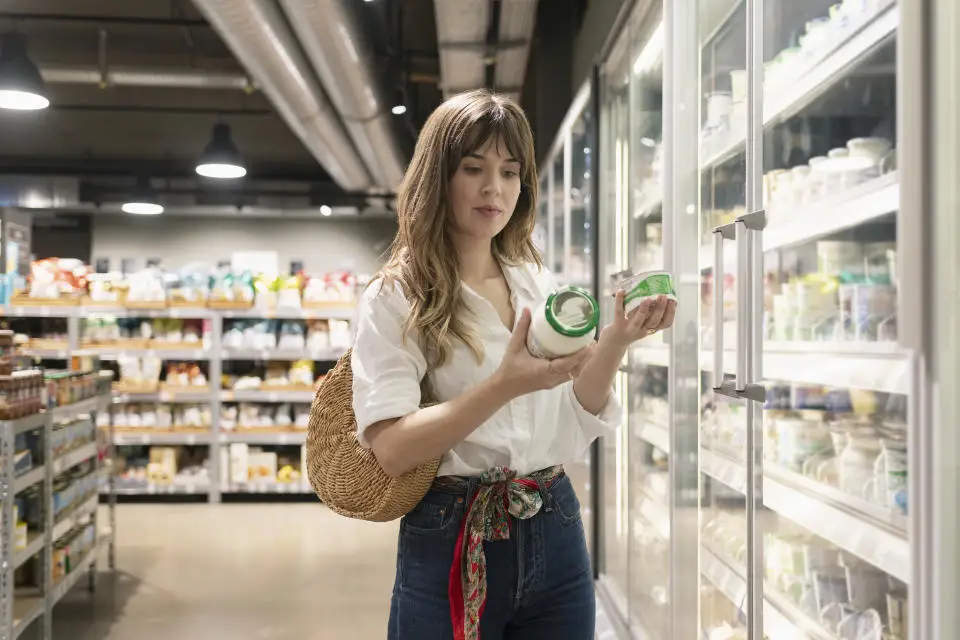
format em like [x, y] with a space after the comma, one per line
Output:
[539, 582]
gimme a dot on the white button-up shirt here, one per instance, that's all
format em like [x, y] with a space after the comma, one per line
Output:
[531, 432]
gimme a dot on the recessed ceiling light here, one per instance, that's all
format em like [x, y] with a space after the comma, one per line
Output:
[326, 210]
[399, 109]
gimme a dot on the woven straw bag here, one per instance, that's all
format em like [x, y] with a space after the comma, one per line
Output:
[345, 475]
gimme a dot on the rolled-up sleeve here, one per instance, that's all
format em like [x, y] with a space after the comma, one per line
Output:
[593, 426]
[386, 368]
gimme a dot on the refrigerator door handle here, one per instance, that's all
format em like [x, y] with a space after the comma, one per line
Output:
[721, 233]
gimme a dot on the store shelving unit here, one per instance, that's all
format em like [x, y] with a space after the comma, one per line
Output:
[22, 606]
[215, 357]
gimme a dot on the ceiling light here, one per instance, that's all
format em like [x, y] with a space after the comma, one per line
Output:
[399, 109]
[326, 210]
[144, 201]
[21, 86]
[221, 158]
[142, 208]
[650, 54]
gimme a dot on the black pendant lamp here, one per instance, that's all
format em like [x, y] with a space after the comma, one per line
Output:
[144, 201]
[221, 159]
[21, 86]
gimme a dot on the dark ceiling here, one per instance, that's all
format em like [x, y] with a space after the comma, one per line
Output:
[109, 135]
[122, 131]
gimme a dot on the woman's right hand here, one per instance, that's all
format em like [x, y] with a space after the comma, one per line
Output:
[521, 373]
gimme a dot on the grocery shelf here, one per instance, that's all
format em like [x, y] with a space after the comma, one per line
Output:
[155, 436]
[333, 312]
[864, 203]
[265, 437]
[323, 355]
[30, 478]
[63, 586]
[164, 396]
[26, 609]
[263, 395]
[821, 73]
[34, 546]
[76, 517]
[127, 488]
[29, 423]
[112, 353]
[875, 542]
[269, 487]
[75, 457]
[781, 619]
[70, 412]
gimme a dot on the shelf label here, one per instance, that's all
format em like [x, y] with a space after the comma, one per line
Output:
[191, 439]
[283, 439]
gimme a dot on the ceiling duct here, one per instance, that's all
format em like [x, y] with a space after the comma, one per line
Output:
[517, 19]
[332, 37]
[465, 53]
[260, 38]
[461, 39]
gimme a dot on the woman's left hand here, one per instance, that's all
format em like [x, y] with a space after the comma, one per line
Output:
[653, 314]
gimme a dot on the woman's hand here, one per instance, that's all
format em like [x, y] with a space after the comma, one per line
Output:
[653, 314]
[520, 373]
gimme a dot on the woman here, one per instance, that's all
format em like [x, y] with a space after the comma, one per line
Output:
[496, 549]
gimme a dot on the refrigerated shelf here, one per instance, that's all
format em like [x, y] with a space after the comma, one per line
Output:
[282, 354]
[820, 74]
[864, 203]
[880, 545]
[781, 619]
[655, 434]
[263, 395]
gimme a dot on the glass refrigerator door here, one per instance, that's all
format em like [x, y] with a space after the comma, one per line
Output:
[647, 399]
[614, 525]
[579, 269]
[558, 215]
[727, 537]
[837, 556]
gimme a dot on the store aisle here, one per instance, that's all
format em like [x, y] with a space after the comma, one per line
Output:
[238, 572]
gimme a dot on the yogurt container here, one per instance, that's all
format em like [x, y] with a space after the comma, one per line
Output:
[644, 285]
[564, 323]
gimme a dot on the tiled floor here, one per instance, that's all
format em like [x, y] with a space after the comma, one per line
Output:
[238, 572]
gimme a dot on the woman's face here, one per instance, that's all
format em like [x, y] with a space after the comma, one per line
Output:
[484, 191]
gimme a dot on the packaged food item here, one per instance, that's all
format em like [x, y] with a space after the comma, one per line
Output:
[644, 285]
[564, 323]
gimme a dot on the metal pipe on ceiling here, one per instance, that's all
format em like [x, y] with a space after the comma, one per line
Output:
[260, 38]
[333, 39]
[178, 79]
[465, 52]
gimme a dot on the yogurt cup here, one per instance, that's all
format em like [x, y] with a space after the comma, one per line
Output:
[645, 285]
[563, 324]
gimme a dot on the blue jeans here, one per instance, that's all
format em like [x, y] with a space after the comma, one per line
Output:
[539, 582]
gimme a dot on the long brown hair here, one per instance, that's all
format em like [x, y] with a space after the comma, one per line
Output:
[423, 258]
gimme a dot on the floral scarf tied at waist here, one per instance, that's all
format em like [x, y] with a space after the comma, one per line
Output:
[500, 494]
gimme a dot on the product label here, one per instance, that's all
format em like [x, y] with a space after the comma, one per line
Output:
[653, 285]
[534, 347]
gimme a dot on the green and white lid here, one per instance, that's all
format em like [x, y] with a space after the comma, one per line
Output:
[572, 312]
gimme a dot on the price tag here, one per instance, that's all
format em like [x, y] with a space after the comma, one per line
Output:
[191, 439]
[284, 438]
[144, 439]
[151, 488]
[190, 489]
[166, 396]
[273, 396]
